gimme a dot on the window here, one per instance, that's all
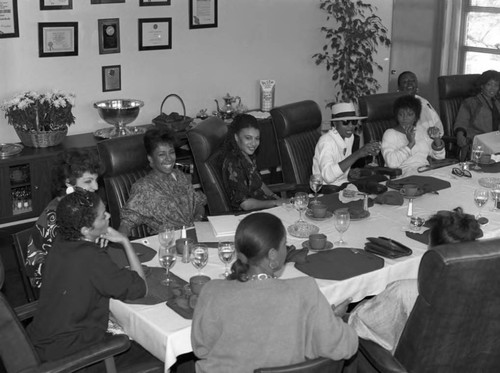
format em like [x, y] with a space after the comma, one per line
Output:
[480, 49]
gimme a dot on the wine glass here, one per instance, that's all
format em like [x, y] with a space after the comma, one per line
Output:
[480, 198]
[167, 257]
[166, 236]
[300, 202]
[315, 182]
[342, 221]
[495, 196]
[374, 162]
[477, 152]
[199, 256]
[226, 255]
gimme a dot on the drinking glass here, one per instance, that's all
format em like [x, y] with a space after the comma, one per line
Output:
[480, 198]
[495, 196]
[315, 182]
[167, 256]
[300, 202]
[166, 236]
[226, 255]
[477, 152]
[342, 222]
[374, 162]
[199, 256]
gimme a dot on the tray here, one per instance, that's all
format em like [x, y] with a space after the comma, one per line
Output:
[8, 150]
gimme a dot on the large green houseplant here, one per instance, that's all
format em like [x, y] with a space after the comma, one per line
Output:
[353, 35]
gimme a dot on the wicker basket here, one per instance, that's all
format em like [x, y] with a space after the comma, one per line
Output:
[173, 120]
[42, 139]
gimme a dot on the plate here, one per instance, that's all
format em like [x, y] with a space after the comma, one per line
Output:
[309, 214]
[105, 133]
[8, 150]
[488, 182]
[418, 194]
[302, 230]
[328, 246]
[358, 215]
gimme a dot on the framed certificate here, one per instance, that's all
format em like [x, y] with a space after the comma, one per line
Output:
[106, 1]
[202, 13]
[9, 22]
[56, 4]
[56, 39]
[155, 33]
[109, 35]
[153, 2]
[111, 78]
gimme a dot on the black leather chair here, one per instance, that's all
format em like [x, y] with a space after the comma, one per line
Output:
[21, 240]
[453, 326]
[206, 142]
[318, 365]
[125, 162]
[297, 127]
[379, 110]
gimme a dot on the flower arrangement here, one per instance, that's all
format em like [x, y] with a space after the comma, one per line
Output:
[34, 112]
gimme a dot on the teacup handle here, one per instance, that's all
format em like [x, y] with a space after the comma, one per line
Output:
[402, 191]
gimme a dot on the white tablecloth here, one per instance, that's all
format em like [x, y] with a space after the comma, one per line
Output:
[166, 334]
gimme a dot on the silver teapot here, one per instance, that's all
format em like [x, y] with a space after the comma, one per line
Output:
[227, 110]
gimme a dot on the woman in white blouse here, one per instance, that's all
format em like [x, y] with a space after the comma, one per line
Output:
[408, 146]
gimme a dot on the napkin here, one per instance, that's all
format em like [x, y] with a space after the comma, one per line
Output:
[426, 183]
[296, 255]
[390, 198]
[343, 197]
[386, 247]
[117, 253]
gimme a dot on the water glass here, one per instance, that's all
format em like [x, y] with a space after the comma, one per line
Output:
[167, 257]
[199, 256]
[226, 255]
[342, 222]
[480, 199]
[315, 182]
[300, 202]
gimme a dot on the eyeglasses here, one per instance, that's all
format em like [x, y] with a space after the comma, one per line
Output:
[348, 122]
[459, 172]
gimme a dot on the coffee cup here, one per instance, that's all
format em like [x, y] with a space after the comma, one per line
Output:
[197, 282]
[319, 210]
[416, 223]
[317, 241]
[409, 190]
[181, 242]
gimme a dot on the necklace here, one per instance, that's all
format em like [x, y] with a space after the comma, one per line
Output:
[261, 276]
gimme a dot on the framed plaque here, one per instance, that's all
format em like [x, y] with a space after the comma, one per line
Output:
[153, 2]
[56, 39]
[111, 78]
[9, 21]
[106, 1]
[155, 33]
[56, 4]
[202, 13]
[109, 35]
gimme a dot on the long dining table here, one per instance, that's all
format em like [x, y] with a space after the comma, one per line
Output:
[167, 335]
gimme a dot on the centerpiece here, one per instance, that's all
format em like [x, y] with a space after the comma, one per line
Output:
[40, 120]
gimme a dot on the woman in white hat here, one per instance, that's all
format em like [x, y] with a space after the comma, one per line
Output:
[333, 156]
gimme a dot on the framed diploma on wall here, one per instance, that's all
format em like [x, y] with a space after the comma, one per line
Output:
[111, 78]
[109, 35]
[155, 33]
[9, 21]
[202, 13]
[56, 4]
[57, 39]
[153, 2]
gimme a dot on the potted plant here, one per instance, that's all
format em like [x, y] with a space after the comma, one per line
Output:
[40, 120]
[352, 40]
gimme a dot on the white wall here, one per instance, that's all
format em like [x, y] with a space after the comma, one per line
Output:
[256, 39]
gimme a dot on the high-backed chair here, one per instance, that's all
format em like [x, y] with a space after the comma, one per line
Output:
[453, 326]
[21, 240]
[379, 110]
[206, 142]
[297, 127]
[318, 365]
[125, 162]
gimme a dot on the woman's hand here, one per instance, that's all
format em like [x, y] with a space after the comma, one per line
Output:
[433, 133]
[410, 135]
[114, 236]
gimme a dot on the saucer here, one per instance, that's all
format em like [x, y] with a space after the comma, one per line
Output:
[310, 215]
[418, 194]
[328, 246]
[303, 230]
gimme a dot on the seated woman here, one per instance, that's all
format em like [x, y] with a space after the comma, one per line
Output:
[383, 318]
[80, 278]
[480, 113]
[333, 156]
[74, 169]
[255, 320]
[165, 196]
[407, 146]
[242, 180]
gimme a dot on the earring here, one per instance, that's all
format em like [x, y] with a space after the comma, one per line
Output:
[273, 265]
[69, 189]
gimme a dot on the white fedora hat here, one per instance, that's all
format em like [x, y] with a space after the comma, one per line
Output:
[345, 111]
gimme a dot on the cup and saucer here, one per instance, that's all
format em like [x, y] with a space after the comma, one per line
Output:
[411, 191]
[318, 211]
[317, 242]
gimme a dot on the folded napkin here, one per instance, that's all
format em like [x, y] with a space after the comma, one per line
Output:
[386, 247]
[340, 263]
[422, 237]
[426, 183]
[296, 255]
[333, 202]
[490, 168]
[117, 253]
[371, 186]
[390, 198]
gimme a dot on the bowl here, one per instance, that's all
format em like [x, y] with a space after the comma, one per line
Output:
[119, 113]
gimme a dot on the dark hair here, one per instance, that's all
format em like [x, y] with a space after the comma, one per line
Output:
[453, 226]
[407, 102]
[240, 122]
[486, 76]
[71, 165]
[400, 76]
[156, 136]
[255, 236]
[75, 211]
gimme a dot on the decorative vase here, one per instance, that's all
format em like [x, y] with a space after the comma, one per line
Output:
[41, 139]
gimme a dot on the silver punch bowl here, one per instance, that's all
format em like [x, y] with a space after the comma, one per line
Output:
[119, 113]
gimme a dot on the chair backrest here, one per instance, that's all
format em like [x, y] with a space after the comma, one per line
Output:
[125, 161]
[453, 326]
[21, 240]
[297, 127]
[453, 89]
[206, 141]
[379, 110]
[318, 365]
